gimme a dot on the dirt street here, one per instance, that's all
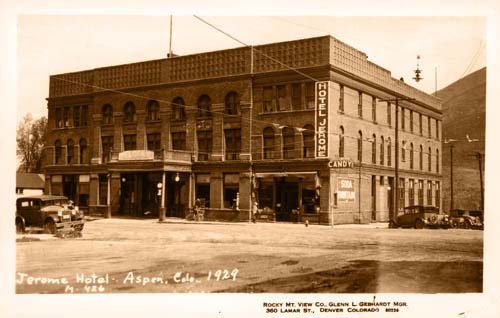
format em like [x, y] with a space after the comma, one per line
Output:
[125, 255]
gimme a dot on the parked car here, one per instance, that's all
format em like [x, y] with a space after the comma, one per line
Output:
[465, 220]
[51, 213]
[423, 216]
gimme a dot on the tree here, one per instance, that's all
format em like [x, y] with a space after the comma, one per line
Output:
[31, 140]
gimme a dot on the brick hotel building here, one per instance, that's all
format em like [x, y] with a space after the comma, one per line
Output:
[296, 128]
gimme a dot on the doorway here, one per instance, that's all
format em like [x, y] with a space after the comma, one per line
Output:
[139, 194]
[287, 201]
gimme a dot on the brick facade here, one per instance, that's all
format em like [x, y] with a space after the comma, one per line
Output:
[239, 165]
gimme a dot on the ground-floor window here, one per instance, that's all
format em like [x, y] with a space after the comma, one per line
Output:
[266, 190]
[438, 195]
[411, 192]
[401, 186]
[309, 200]
[231, 189]
[429, 192]
[203, 188]
[421, 192]
[103, 189]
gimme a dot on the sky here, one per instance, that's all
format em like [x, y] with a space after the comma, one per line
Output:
[53, 44]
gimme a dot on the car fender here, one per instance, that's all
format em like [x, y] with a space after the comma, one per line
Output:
[53, 218]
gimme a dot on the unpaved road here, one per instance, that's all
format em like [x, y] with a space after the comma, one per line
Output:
[124, 255]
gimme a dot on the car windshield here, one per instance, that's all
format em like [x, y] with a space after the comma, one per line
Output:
[55, 202]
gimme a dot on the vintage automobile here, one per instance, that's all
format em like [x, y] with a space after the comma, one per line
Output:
[54, 214]
[423, 216]
[462, 219]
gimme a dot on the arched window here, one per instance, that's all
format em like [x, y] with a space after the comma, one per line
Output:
[57, 151]
[70, 151]
[83, 151]
[268, 135]
[178, 109]
[308, 141]
[411, 155]
[429, 160]
[232, 104]
[153, 110]
[421, 158]
[360, 146]
[382, 150]
[204, 106]
[129, 112]
[107, 114]
[437, 162]
[341, 142]
[389, 152]
[288, 143]
[374, 148]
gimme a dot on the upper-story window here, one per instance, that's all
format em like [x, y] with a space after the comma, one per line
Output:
[107, 114]
[429, 126]
[389, 114]
[374, 149]
[389, 152]
[129, 112]
[403, 121]
[296, 96]
[341, 142]
[178, 109]
[233, 143]
[57, 151]
[129, 142]
[80, 115]
[360, 105]
[283, 103]
[429, 159]
[154, 143]
[360, 146]
[59, 120]
[70, 151]
[382, 150]
[107, 147]
[421, 130]
[268, 136]
[83, 158]
[84, 116]
[288, 143]
[268, 99]
[204, 144]
[310, 95]
[421, 158]
[341, 98]
[437, 160]
[437, 129]
[411, 120]
[204, 106]
[232, 103]
[403, 151]
[153, 110]
[308, 141]
[411, 155]
[76, 116]
[66, 111]
[374, 108]
[179, 141]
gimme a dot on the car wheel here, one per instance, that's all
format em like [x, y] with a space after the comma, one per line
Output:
[49, 227]
[19, 226]
[419, 224]
[467, 225]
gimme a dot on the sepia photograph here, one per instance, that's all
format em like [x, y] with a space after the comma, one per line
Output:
[270, 156]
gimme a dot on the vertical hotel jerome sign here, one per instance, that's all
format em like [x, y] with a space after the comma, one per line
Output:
[321, 120]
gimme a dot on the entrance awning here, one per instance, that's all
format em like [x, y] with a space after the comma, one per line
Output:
[283, 174]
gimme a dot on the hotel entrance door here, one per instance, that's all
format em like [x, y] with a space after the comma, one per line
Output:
[138, 194]
[287, 201]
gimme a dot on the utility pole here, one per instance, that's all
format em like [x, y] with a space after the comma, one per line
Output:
[450, 141]
[170, 39]
[393, 214]
[480, 160]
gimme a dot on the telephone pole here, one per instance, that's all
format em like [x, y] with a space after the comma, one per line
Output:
[479, 157]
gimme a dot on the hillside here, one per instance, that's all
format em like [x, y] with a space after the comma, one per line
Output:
[464, 113]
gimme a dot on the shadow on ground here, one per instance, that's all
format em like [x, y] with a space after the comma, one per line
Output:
[369, 276]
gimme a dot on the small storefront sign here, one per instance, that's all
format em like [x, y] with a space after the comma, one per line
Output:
[341, 163]
[321, 120]
[345, 191]
[136, 155]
